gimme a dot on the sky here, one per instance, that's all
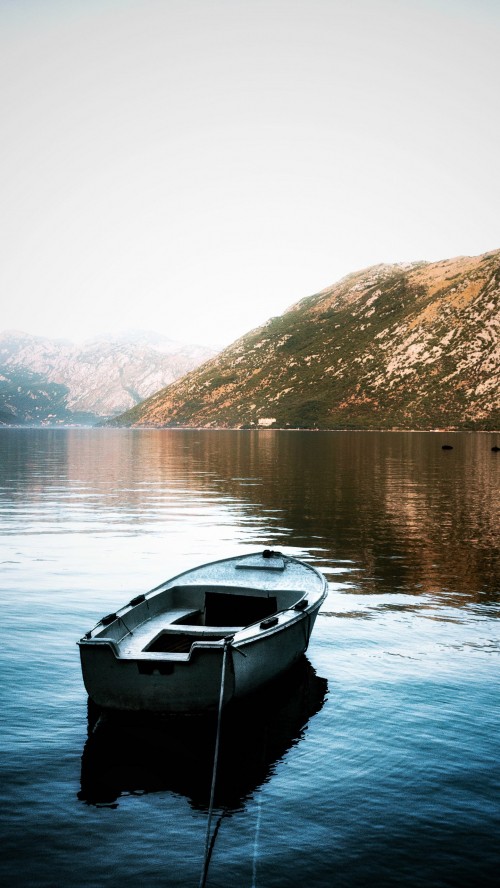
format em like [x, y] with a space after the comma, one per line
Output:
[195, 167]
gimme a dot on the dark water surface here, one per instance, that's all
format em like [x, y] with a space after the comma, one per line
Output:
[375, 763]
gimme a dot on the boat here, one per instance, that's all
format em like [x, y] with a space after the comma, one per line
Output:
[205, 637]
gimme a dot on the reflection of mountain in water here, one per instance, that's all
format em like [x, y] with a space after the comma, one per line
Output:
[130, 753]
[416, 518]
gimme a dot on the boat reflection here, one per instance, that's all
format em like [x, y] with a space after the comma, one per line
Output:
[136, 753]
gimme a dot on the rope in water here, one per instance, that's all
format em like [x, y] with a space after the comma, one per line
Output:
[208, 843]
[256, 842]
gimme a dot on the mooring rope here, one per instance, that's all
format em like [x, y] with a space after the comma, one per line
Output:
[209, 844]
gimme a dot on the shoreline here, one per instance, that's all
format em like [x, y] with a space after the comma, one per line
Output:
[159, 428]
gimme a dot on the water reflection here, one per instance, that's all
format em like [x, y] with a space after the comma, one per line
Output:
[411, 516]
[134, 754]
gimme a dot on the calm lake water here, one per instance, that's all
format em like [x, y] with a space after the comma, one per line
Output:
[377, 763]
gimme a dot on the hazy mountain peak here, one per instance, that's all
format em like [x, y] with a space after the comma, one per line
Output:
[45, 379]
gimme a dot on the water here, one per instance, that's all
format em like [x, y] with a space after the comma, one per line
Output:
[375, 764]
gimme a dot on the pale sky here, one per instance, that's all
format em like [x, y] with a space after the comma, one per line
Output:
[194, 167]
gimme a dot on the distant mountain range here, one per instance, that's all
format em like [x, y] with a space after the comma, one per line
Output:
[57, 382]
[393, 346]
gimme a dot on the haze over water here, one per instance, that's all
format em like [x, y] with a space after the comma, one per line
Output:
[377, 764]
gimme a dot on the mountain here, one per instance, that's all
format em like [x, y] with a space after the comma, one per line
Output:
[27, 397]
[55, 381]
[393, 346]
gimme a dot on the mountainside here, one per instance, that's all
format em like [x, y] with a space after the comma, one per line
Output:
[392, 346]
[45, 380]
[27, 397]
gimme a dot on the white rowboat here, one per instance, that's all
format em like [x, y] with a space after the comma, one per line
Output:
[165, 650]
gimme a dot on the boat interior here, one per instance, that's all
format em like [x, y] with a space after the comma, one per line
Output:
[171, 620]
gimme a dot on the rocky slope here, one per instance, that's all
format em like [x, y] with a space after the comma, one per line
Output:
[45, 380]
[393, 346]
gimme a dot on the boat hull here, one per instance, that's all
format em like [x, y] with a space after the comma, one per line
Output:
[114, 683]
